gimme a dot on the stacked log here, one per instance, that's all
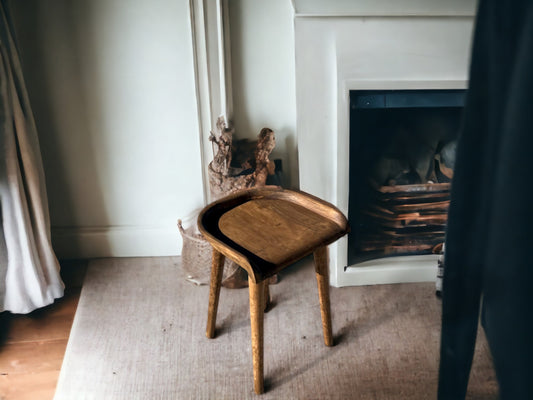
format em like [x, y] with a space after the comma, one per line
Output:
[403, 219]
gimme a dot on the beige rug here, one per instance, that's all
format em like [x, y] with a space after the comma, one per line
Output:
[139, 334]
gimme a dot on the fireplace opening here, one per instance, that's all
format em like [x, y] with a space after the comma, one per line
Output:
[402, 153]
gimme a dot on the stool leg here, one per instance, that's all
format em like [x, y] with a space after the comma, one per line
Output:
[217, 268]
[257, 307]
[322, 278]
[267, 296]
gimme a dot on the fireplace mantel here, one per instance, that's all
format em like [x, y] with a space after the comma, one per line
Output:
[368, 45]
[361, 8]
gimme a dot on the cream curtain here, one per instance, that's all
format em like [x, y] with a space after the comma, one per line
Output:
[29, 270]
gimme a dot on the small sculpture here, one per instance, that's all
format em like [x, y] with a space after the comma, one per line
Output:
[223, 179]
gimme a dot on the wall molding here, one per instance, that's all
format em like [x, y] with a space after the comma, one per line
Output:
[384, 8]
[212, 71]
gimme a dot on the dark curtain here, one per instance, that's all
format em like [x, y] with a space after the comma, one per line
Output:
[489, 240]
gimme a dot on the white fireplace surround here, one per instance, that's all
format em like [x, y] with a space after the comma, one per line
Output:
[342, 46]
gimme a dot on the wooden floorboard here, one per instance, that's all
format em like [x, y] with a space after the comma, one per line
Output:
[32, 346]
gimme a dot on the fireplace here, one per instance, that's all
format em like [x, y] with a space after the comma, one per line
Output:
[368, 46]
[402, 153]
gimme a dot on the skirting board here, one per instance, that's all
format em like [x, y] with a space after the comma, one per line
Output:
[123, 241]
[388, 270]
[99, 242]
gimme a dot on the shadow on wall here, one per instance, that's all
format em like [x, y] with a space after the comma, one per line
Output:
[57, 49]
[291, 157]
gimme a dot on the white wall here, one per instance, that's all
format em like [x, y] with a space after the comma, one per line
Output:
[112, 88]
[262, 64]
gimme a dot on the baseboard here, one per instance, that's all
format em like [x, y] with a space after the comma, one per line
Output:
[422, 268]
[135, 241]
[122, 241]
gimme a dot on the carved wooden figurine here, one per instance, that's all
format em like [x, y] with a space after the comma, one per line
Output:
[223, 179]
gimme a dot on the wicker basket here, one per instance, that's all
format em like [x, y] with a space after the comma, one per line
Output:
[196, 256]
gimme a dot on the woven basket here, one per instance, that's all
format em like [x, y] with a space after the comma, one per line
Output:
[196, 256]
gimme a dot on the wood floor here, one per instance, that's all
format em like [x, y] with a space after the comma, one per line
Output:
[32, 346]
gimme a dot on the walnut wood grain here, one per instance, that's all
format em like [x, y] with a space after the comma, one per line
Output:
[276, 229]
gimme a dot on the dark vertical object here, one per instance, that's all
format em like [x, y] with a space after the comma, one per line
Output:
[489, 240]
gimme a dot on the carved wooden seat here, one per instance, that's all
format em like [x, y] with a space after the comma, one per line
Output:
[265, 230]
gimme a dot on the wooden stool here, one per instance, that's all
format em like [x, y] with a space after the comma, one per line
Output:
[265, 230]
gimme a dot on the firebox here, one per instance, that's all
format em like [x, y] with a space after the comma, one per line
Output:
[402, 153]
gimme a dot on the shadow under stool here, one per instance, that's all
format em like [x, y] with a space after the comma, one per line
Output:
[265, 230]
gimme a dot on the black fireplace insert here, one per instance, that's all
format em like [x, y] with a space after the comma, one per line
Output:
[402, 153]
